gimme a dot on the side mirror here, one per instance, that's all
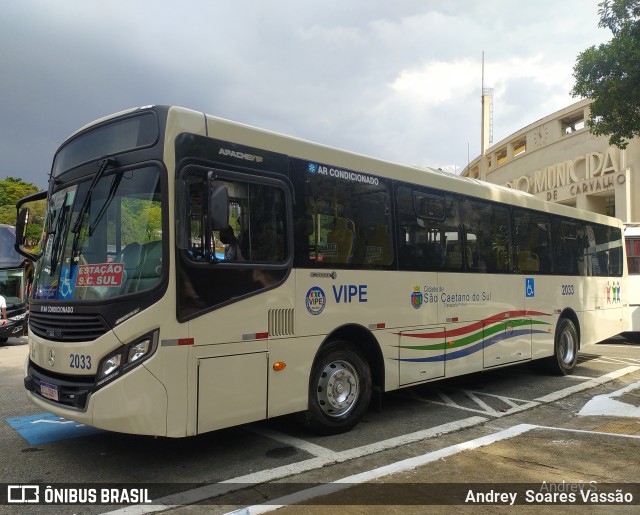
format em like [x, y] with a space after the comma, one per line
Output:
[218, 206]
[28, 216]
[21, 226]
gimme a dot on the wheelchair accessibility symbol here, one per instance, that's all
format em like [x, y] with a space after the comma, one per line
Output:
[67, 282]
[530, 290]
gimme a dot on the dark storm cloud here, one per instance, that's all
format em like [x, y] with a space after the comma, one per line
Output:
[396, 80]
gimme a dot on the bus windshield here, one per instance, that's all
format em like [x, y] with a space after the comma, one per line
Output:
[9, 258]
[102, 242]
[12, 286]
[12, 265]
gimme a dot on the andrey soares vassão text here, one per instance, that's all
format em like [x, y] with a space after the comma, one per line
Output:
[552, 493]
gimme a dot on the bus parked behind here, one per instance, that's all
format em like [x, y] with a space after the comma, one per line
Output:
[15, 273]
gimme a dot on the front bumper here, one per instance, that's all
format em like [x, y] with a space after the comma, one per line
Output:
[72, 394]
[14, 328]
[135, 403]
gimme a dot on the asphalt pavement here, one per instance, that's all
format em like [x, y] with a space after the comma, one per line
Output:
[574, 454]
[590, 464]
[581, 455]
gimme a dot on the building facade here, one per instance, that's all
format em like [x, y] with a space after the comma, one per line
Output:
[559, 160]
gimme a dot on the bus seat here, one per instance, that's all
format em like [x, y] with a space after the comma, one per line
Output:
[378, 249]
[528, 261]
[351, 225]
[454, 257]
[341, 238]
[502, 259]
[147, 273]
[131, 256]
[434, 256]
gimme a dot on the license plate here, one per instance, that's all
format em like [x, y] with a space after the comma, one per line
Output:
[50, 391]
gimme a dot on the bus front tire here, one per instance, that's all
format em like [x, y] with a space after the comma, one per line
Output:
[565, 354]
[339, 390]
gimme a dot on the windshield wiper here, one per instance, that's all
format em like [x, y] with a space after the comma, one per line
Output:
[58, 233]
[112, 192]
[87, 198]
[103, 165]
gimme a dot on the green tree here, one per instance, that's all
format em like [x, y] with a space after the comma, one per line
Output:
[610, 74]
[13, 189]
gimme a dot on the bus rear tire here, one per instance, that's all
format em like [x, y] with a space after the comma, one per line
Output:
[339, 390]
[565, 354]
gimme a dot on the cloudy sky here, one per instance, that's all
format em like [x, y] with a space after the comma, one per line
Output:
[396, 80]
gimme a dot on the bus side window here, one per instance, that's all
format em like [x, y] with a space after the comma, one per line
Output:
[533, 241]
[428, 236]
[568, 247]
[487, 236]
[345, 223]
[604, 253]
[247, 256]
[614, 235]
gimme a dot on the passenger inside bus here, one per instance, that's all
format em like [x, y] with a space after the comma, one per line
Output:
[232, 250]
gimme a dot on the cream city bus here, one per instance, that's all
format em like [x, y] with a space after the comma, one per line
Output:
[197, 274]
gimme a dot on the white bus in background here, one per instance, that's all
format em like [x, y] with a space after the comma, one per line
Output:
[632, 244]
[15, 275]
[198, 274]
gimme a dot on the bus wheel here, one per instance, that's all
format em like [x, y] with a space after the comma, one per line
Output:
[339, 390]
[565, 354]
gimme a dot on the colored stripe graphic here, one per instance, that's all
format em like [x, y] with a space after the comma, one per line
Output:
[470, 349]
[500, 317]
[487, 331]
[477, 335]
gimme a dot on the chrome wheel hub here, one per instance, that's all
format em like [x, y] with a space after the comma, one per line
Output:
[338, 388]
[567, 347]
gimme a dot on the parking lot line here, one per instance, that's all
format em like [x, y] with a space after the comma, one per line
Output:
[565, 392]
[264, 476]
[298, 443]
[609, 405]
[402, 466]
[392, 468]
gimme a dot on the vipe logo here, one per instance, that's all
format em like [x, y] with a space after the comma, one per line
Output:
[312, 169]
[316, 300]
[23, 494]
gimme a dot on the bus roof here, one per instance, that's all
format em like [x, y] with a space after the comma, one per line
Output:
[247, 135]
[294, 147]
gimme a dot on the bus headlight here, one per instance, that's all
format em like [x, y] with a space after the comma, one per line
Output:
[110, 365]
[127, 358]
[138, 350]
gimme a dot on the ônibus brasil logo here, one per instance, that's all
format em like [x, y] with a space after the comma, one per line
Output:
[316, 300]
